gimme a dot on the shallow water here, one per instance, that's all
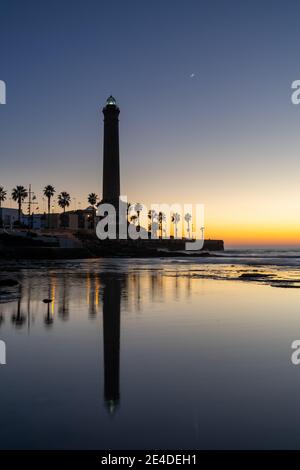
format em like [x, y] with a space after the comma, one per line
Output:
[150, 354]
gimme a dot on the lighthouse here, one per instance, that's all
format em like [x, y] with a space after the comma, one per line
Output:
[111, 157]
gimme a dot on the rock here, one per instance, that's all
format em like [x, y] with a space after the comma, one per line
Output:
[254, 276]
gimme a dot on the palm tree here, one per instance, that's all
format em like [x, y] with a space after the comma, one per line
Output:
[152, 215]
[161, 220]
[138, 208]
[2, 198]
[2, 195]
[188, 218]
[19, 193]
[175, 220]
[133, 219]
[49, 193]
[154, 228]
[64, 200]
[92, 200]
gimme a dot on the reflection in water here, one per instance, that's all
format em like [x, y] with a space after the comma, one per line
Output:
[48, 317]
[111, 339]
[18, 318]
[203, 360]
[63, 306]
[65, 291]
[92, 293]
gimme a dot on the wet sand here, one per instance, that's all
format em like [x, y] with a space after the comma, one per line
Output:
[149, 354]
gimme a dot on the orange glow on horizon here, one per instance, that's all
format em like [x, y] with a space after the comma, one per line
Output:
[242, 220]
[241, 234]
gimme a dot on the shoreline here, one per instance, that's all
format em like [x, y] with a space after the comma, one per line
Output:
[196, 268]
[81, 245]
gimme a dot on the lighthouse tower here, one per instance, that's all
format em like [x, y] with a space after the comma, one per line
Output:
[111, 158]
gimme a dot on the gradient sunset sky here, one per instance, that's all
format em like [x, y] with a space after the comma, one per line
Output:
[204, 89]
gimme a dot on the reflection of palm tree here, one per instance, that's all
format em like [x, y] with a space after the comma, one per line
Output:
[91, 286]
[188, 219]
[18, 318]
[63, 309]
[64, 200]
[19, 194]
[49, 193]
[154, 288]
[92, 200]
[48, 320]
[176, 290]
[48, 317]
[175, 220]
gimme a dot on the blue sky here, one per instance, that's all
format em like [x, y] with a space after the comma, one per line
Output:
[229, 129]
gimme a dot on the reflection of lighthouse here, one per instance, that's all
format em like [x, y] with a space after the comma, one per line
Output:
[111, 340]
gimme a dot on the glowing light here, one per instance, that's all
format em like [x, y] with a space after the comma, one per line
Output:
[111, 101]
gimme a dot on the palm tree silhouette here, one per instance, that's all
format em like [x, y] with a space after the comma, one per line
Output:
[152, 215]
[19, 193]
[154, 228]
[175, 220]
[138, 208]
[133, 219]
[64, 200]
[49, 193]
[2, 198]
[161, 220]
[188, 218]
[2, 195]
[92, 200]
